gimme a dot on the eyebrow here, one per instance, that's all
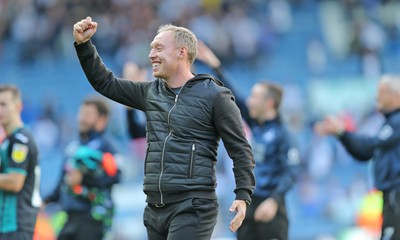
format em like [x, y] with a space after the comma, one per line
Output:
[155, 44]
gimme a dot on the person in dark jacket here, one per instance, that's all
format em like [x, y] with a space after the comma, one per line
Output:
[135, 119]
[186, 115]
[383, 149]
[89, 172]
[19, 170]
[277, 159]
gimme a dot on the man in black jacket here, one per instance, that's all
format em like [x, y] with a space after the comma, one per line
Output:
[186, 116]
[384, 149]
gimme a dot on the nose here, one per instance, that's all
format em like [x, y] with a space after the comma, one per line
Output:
[152, 54]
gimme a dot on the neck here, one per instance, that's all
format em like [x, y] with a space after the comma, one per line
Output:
[269, 115]
[85, 136]
[9, 128]
[179, 79]
[389, 111]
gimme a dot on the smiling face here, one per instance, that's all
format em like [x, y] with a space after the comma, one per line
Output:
[164, 55]
[173, 51]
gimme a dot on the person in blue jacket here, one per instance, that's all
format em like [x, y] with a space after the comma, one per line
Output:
[277, 159]
[89, 172]
[383, 149]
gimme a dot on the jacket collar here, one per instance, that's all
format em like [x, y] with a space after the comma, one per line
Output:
[275, 120]
[200, 77]
[392, 113]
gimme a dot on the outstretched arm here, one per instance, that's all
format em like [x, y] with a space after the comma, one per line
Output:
[101, 78]
[360, 147]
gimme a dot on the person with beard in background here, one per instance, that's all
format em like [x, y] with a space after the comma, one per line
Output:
[89, 172]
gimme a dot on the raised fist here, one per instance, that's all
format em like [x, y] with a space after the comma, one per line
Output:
[84, 30]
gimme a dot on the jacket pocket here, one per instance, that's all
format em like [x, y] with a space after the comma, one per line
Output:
[147, 155]
[192, 157]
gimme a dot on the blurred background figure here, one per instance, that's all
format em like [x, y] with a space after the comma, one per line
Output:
[19, 170]
[382, 149]
[136, 119]
[88, 175]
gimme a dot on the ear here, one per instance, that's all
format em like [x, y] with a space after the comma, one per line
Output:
[101, 123]
[270, 103]
[182, 52]
[20, 106]
[398, 99]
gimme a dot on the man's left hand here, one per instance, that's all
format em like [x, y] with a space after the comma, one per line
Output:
[238, 206]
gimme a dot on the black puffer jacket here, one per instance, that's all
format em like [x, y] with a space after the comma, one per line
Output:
[183, 131]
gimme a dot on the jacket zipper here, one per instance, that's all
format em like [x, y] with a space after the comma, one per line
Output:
[163, 150]
[191, 161]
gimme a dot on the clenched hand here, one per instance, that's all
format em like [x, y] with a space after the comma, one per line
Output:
[84, 30]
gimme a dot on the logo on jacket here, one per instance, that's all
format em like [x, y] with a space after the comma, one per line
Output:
[293, 157]
[19, 152]
[269, 135]
[385, 132]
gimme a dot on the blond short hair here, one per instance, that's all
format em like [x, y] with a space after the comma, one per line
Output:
[16, 94]
[183, 38]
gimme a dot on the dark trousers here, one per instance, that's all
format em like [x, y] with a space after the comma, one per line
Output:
[81, 226]
[391, 216]
[16, 236]
[192, 219]
[276, 229]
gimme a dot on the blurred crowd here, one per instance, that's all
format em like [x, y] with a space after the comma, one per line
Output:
[245, 31]
[40, 27]
[245, 34]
